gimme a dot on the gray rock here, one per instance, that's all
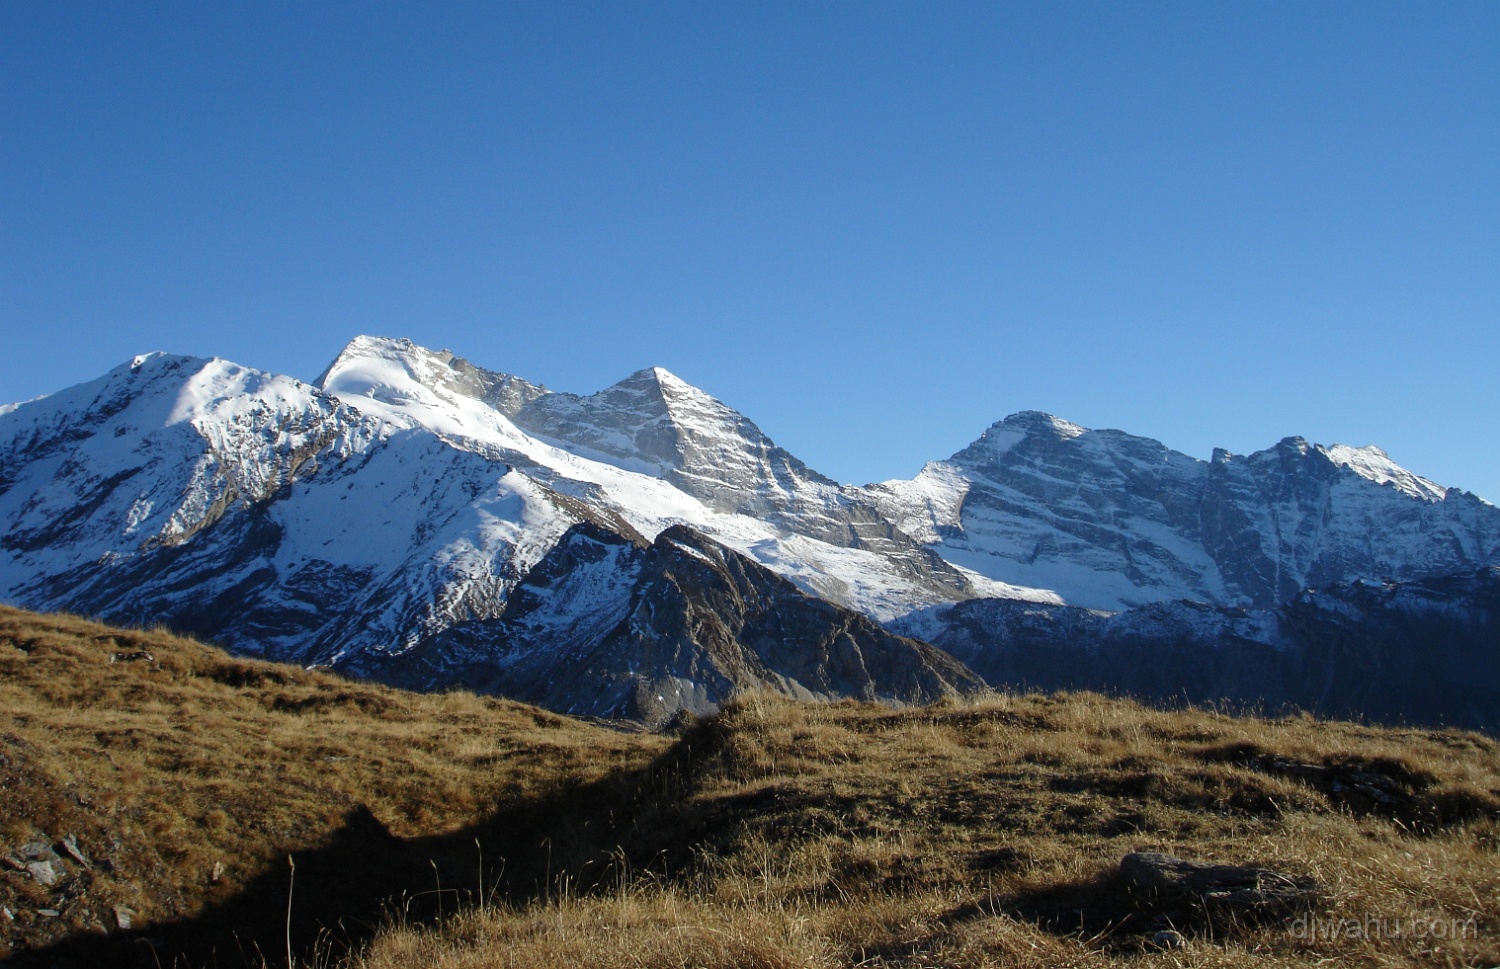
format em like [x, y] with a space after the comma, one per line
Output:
[37, 851]
[123, 916]
[47, 873]
[70, 846]
[1167, 939]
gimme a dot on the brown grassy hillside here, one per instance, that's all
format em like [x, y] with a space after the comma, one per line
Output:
[774, 834]
[989, 834]
[187, 778]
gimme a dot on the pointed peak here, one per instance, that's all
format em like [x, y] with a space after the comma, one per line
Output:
[667, 378]
[367, 342]
[659, 378]
[1294, 443]
[658, 390]
[366, 345]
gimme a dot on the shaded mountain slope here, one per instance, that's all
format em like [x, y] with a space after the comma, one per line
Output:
[609, 628]
[1425, 651]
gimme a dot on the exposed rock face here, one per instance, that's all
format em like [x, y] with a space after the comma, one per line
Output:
[1109, 520]
[1362, 648]
[608, 628]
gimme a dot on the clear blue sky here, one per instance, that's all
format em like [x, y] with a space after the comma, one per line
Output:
[873, 228]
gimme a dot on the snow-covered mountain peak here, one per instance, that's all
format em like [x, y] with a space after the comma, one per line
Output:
[1002, 436]
[411, 494]
[363, 348]
[400, 362]
[659, 381]
[1111, 520]
[1373, 463]
[712, 466]
[151, 386]
[1294, 445]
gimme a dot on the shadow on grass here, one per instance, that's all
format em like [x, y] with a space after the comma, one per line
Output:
[1109, 913]
[363, 877]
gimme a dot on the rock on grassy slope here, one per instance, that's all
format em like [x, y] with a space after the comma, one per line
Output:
[448, 831]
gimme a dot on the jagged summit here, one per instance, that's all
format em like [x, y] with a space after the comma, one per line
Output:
[1001, 436]
[1374, 464]
[1040, 421]
[1112, 520]
[397, 361]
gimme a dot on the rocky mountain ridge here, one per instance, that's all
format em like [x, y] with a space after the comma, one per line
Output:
[1109, 520]
[398, 518]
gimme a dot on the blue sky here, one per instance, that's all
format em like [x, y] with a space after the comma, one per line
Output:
[873, 228]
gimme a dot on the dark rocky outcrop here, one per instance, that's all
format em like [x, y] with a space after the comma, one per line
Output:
[607, 627]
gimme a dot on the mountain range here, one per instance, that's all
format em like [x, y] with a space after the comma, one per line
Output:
[646, 550]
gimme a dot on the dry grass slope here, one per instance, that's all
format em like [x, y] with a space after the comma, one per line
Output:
[169, 769]
[774, 834]
[989, 834]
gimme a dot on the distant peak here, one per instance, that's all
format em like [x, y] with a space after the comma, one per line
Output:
[158, 363]
[366, 345]
[667, 378]
[1001, 436]
[1368, 451]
